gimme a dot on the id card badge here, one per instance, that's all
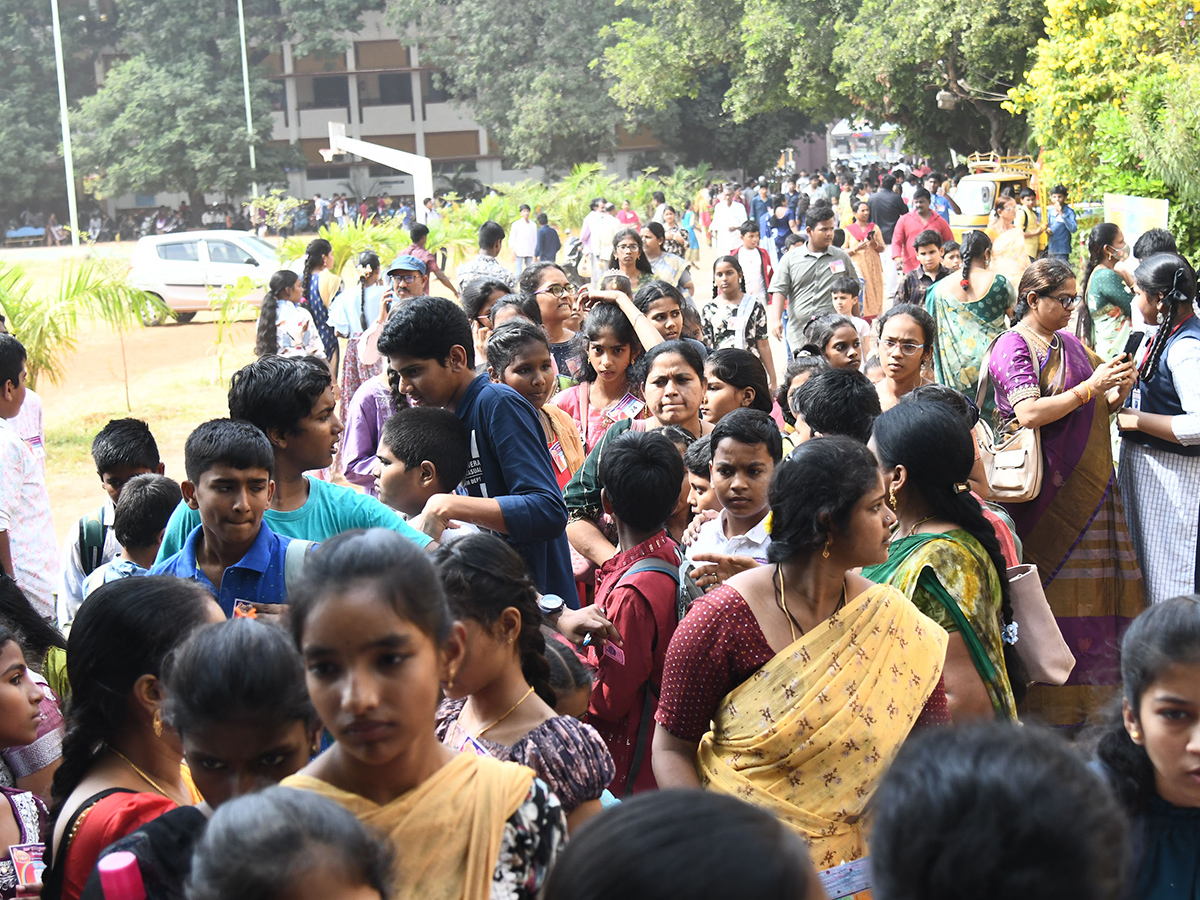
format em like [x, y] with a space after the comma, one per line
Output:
[469, 745]
[36, 447]
[837, 267]
[1135, 398]
[556, 454]
[28, 862]
[617, 654]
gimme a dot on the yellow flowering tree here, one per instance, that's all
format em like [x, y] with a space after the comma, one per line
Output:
[1111, 98]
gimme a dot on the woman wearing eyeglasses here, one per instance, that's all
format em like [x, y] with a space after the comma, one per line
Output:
[629, 258]
[1074, 530]
[970, 309]
[907, 334]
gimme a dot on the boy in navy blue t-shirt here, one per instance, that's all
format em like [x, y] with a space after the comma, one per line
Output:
[510, 483]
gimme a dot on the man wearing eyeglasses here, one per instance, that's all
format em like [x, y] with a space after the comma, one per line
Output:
[406, 278]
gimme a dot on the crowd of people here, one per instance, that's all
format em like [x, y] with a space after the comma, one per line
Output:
[561, 590]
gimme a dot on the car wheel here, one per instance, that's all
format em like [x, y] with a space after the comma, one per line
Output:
[151, 316]
[184, 317]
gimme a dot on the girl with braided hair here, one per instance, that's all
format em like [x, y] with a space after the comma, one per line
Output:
[501, 702]
[321, 285]
[1160, 446]
[1074, 530]
[969, 307]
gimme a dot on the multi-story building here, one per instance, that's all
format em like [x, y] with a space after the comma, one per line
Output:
[381, 90]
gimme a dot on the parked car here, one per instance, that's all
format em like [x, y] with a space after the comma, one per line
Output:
[179, 268]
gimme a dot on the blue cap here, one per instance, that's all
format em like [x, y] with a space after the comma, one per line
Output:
[406, 263]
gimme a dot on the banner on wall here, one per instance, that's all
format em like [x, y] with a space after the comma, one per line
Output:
[1135, 215]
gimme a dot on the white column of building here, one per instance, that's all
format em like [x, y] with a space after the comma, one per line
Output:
[418, 95]
[291, 95]
[352, 74]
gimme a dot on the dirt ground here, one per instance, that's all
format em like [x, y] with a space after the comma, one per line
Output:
[173, 386]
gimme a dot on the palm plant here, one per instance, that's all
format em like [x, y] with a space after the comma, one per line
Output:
[386, 238]
[48, 327]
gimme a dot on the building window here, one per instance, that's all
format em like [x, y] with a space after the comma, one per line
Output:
[432, 93]
[331, 93]
[395, 89]
[328, 173]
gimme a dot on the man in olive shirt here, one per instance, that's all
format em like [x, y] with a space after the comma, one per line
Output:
[805, 276]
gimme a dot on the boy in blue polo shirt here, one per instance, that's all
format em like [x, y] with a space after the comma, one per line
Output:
[232, 552]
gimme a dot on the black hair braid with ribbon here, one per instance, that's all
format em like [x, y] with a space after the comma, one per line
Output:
[1173, 298]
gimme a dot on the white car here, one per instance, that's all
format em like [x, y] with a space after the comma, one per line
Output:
[179, 268]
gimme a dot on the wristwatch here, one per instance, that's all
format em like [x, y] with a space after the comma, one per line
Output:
[551, 605]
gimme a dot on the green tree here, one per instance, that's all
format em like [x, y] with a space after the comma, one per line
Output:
[523, 67]
[883, 60]
[31, 169]
[171, 116]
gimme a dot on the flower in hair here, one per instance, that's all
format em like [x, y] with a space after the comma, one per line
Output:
[1009, 634]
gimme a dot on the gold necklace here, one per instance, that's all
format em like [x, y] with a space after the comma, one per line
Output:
[1037, 337]
[511, 710]
[913, 530]
[146, 778]
[792, 623]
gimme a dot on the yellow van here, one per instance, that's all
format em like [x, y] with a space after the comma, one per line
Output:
[990, 175]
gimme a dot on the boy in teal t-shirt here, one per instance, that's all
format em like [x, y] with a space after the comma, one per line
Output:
[293, 403]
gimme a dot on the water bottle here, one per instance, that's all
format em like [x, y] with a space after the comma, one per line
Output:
[121, 877]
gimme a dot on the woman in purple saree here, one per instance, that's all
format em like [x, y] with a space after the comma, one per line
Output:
[1074, 530]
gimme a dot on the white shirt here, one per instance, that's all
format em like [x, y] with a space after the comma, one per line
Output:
[70, 587]
[752, 271]
[25, 515]
[726, 216]
[711, 539]
[522, 237]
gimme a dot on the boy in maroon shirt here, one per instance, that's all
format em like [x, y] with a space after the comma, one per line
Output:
[640, 474]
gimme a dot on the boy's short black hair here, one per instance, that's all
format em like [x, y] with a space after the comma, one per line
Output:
[426, 433]
[791, 241]
[144, 509]
[12, 355]
[543, 219]
[427, 328]
[1156, 240]
[749, 427]
[951, 247]
[927, 238]
[274, 393]
[124, 443]
[228, 442]
[698, 458]
[1026, 192]
[838, 401]
[490, 234]
[846, 284]
[641, 473]
[748, 228]
[817, 213]
[417, 232]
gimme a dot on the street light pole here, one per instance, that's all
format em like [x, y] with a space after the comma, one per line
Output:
[68, 159]
[246, 91]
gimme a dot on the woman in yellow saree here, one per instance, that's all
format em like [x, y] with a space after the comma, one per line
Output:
[372, 624]
[794, 685]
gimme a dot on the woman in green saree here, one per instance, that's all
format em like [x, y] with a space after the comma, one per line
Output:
[945, 556]
[970, 308]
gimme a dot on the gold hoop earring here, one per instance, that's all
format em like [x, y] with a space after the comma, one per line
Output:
[825, 552]
[158, 728]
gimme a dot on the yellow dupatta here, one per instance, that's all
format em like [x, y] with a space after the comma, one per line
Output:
[447, 830]
[809, 735]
